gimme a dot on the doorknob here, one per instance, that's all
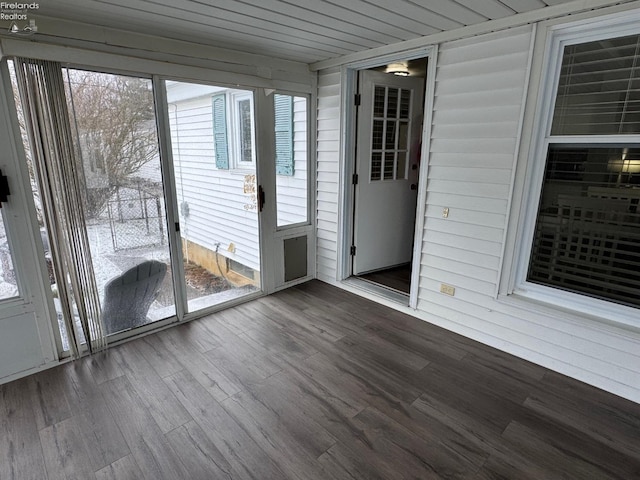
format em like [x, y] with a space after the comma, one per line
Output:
[414, 186]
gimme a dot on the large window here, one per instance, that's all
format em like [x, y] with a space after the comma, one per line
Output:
[586, 238]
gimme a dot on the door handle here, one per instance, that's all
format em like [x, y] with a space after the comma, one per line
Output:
[414, 186]
[4, 188]
[260, 198]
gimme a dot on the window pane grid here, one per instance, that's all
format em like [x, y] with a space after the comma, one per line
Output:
[587, 233]
[389, 138]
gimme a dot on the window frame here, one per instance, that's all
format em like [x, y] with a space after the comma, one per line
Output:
[234, 129]
[559, 36]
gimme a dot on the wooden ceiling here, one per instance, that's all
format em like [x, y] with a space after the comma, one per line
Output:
[301, 30]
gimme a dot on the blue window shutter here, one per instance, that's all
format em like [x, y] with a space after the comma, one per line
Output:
[219, 105]
[284, 134]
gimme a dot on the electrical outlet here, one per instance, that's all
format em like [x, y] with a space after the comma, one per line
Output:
[447, 289]
[445, 212]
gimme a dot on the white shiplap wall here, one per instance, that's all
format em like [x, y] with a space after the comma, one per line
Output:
[327, 181]
[478, 104]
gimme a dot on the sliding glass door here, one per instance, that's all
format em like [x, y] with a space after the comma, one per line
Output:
[113, 234]
[114, 125]
[213, 157]
[160, 237]
[150, 195]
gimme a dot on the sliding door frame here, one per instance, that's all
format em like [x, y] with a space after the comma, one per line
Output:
[263, 86]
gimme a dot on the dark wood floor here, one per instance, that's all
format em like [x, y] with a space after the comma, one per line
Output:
[397, 278]
[312, 383]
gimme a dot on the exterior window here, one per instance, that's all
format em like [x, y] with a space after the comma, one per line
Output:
[233, 126]
[242, 130]
[245, 130]
[586, 238]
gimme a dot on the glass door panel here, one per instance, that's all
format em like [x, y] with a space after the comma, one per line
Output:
[113, 126]
[113, 120]
[291, 160]
[8, 280]
[214, 161]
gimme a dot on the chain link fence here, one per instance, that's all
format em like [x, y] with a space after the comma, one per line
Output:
[136, 219]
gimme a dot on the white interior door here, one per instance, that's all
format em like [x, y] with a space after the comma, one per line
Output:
[388, 142]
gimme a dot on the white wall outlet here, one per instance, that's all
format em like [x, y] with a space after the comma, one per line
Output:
[447, 289]
[445, 212]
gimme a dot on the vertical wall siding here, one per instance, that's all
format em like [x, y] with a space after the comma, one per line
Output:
[477, 107]
[327, 181]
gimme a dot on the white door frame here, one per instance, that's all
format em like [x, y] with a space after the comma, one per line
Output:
[347, 162]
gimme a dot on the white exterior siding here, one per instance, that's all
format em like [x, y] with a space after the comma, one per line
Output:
[215, 198]
[220, 212]
[327, 181]
[478, 106]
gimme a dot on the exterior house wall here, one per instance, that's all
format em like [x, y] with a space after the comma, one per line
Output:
[217, 212]
[477, 116]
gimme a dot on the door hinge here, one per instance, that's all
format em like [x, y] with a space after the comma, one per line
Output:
[354, 179]
[352, 251]
[357, 99]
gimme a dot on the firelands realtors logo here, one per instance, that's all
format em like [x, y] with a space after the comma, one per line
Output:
[18, 15]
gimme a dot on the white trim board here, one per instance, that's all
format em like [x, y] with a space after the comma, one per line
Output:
[117, 61]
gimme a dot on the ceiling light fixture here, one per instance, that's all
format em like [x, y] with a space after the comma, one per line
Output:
[401, 69]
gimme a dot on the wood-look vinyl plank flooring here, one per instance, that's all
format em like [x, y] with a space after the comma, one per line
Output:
[396, 278]
[312, 383]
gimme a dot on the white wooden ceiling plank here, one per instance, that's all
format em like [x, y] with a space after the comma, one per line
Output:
[458, 11]
[357, 14]
[184, 30]
[524, 5]
[221, 16]
[489, 8]
[407, 14]
[276, 21]
[341, 25]
[445, 8]
[231, 29]
[93, 12]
